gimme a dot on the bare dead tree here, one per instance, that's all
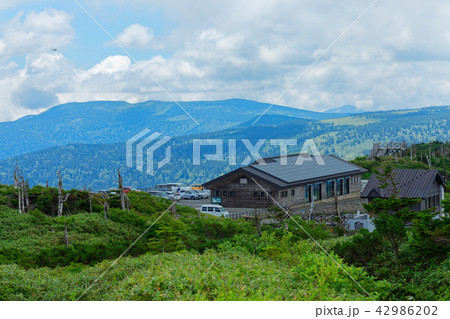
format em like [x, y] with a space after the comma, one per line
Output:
[90, 202]
[22, 190]
[124, 201]
[61, 198]
[26, 187]
[104, 202]
[18, 187]
[411, 152]
[428, 160]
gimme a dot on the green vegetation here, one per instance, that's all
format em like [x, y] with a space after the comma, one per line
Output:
[191, 256]
[414, 259]
[292, 272]
[437, 152]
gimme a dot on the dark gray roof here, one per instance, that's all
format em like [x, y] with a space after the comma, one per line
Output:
[297, 172]
[308, 167]
[412, 183]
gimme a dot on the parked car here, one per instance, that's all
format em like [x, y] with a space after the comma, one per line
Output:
[190, 194]
[127, 189]
[199, 193]
[203, 193]
[215, 210]
[164, 195]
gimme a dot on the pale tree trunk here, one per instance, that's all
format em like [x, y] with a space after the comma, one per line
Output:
[19, 185]
[106, 209]
[124, 201]
[105, 204]
[20, 200]
[27, 198]
[90, 202]
[61, 198]
[173, 208]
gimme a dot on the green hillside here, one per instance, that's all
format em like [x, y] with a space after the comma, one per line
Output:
[191, 256]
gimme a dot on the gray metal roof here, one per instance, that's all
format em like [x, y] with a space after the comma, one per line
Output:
[297, 173]
[308, 167]
[412, 183]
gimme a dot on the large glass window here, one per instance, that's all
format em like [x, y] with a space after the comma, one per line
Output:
[340, 187]
[330, 188]
[308, 193]
[318, 191]
[347, 185]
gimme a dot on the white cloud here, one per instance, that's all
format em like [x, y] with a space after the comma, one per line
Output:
[396, 56]
[112, 64]
[136, 36]
[35, 33]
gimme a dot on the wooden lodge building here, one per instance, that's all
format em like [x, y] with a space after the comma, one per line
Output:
[424, 184]
[295, 182]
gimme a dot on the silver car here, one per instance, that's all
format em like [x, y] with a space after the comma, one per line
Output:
[164, 195]
[190, 194]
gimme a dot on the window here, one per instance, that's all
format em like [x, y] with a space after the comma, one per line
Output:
[270, 194]
[225, 193]
[243, 181]
[217, 193]
[204, 209]
[308, 194]
[340, 187]
[283, 194]
[330, 188]
[318, 191]
[232, 194]
[255, 195]
[292, 192]
[263, 195]
[347, 185]
[217, 209]
[210, 209]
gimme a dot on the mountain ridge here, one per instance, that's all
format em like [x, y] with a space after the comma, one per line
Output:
[97, 122]
[95, 165]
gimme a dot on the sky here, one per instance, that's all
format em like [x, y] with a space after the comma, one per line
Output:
[396, 56]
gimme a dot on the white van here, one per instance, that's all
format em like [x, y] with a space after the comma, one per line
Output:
[215, 210]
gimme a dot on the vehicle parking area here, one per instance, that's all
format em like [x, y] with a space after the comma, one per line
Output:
[195, 203]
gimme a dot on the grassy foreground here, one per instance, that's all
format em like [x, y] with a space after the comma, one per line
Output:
[224, 274]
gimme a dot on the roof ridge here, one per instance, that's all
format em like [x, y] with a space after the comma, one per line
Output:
[280, 156]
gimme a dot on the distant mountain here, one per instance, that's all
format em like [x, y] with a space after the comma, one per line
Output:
[346, 109]
[112, 122]
[95, 165]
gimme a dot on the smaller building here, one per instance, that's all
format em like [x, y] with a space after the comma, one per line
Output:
[358, 221]
[425, 184]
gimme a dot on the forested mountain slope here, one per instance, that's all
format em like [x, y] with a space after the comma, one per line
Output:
[95, 165]
[112, 122]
